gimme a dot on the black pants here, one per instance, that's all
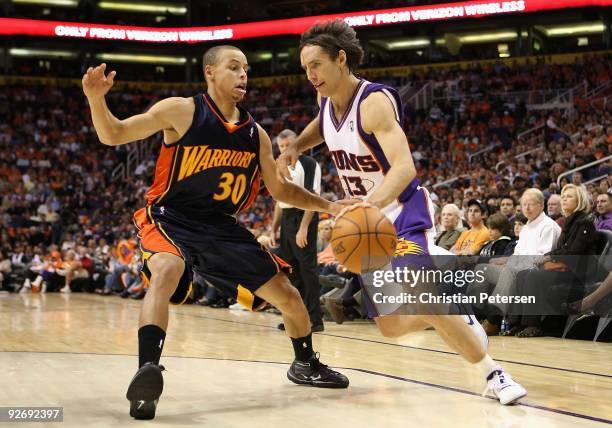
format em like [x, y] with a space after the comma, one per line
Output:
[304, 275]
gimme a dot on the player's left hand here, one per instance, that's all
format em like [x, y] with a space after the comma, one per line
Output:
[301, 238]
[351, 204]
[335, 208]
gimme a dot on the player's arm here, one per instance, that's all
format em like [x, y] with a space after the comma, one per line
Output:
[378, 118]
[112, 131]
[310, 137]
[276, 219]
[285, 191]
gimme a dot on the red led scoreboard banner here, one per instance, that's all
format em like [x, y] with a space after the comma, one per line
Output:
[458, 10]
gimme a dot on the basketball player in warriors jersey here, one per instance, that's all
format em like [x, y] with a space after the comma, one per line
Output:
[360, 123]
[208, 170]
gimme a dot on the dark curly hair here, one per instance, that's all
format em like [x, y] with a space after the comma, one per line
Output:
[332, 37]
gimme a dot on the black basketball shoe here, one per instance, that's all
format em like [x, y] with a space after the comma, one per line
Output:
[144, 391]
[315, 373]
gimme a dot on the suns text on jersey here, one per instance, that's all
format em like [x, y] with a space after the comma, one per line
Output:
[351, 161]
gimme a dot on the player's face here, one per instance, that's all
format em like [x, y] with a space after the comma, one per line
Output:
[321, 70]
[229, 75]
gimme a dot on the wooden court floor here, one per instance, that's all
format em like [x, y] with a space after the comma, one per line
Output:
[227, 369]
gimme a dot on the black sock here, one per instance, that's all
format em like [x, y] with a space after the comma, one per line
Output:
[302, 347]
[150, 344]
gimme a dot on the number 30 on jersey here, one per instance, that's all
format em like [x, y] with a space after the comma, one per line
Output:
[231, 185]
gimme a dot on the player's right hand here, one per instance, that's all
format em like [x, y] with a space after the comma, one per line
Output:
[95, 83]
[286, 160]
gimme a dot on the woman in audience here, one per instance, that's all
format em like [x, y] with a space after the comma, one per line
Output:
[565, 263]
[450, 220]
[324, 236]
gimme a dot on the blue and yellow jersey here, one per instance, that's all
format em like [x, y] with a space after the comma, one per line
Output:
[213, 168]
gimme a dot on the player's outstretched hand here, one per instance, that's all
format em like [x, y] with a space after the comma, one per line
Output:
[96, 83]
[286, 160]
[350, 204]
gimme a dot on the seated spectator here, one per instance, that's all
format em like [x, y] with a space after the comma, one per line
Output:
[507, 206]
[5, 269]
[499, 231]
[71, 269]
[561, 265]
[324, 236]
[538, 237]
[604, 211]
[450, 221]
[519, 221]
[553, 207]
[471, 241]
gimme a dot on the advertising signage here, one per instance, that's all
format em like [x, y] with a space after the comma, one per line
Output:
[405, 16]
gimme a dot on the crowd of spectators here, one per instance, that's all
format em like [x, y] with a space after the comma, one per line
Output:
[66, 224]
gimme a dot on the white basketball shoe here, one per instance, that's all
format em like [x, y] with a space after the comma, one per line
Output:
[504, 388]
[500, 383]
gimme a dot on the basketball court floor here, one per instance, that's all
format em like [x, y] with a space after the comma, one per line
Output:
[227, 369]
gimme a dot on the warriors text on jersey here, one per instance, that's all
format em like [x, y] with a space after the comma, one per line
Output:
[213, 168]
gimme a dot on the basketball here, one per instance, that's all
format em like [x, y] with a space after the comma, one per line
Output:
[363, 239]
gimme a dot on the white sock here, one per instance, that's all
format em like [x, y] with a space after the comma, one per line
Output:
[487, 365]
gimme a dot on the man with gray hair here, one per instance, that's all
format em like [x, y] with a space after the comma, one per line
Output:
[298, 233]
[538, 237]
[553, 209]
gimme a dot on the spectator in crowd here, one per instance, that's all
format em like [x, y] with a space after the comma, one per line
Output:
[499, 238]
[324, 236]
[604, 211]
[507, 206]
[5, 269]
[519, 221]
[553, 209]
[71, 269]
[471, 241]
[537, 238]
[450, 221]
[566, 263]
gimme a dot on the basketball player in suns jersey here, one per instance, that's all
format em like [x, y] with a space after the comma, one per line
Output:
[208, 170]
[360, 123]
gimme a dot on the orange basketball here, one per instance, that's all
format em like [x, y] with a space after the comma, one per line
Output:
[363, 239]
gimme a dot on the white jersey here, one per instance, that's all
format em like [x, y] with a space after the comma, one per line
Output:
[358, 156]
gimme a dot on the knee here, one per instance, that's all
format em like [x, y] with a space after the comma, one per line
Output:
[166, 275]
[292, 301]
